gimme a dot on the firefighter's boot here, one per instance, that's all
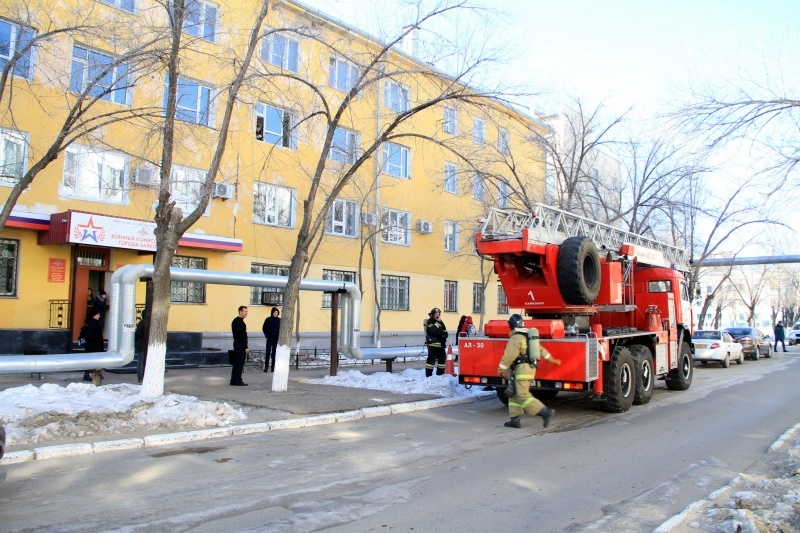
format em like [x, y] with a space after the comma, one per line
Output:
[513, 423]
[546, 413]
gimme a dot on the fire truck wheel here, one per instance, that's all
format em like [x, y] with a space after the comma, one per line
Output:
[501, 395]
[578, 268]
[645, 379]
[544, 395]
[619, 381]
[680, 378]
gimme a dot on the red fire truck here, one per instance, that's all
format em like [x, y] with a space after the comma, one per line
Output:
[614, 306]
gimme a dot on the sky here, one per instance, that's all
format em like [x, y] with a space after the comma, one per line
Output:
[34, 415]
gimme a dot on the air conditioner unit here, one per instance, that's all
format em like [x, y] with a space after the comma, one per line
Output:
[146, 176]
[223, 190]
[271, 298]
[369, 219]
[423, 226]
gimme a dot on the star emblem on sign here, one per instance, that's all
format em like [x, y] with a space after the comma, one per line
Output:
[89, 231]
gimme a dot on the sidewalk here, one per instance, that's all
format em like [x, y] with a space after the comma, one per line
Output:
[302, 405]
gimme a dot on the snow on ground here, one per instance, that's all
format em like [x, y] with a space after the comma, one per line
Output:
[409, 381]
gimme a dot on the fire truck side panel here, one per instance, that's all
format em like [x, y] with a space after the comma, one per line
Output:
[479, 356]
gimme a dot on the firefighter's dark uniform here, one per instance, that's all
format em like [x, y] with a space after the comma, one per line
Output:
[515, 360]
[435, 338]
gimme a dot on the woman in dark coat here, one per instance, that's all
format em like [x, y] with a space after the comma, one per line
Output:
[271, 329]
[93, 333]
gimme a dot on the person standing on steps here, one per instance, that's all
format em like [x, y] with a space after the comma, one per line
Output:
[436, 339]
[271, 329]
[240, 349]
[519, 363]
[780, 336]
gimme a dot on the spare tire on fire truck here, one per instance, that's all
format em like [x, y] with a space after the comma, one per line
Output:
[578, 271]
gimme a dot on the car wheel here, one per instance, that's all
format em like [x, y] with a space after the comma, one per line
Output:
[769, 351]
[741, 358]
[727, 361]
[755, 355]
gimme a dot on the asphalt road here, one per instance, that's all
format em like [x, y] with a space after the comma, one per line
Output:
[441, 470]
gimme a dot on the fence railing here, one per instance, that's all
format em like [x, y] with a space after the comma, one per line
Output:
[59, 314]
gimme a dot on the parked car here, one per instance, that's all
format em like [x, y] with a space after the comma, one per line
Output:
[753, 342]
[717, 346]
[793, 337]
[2, 441]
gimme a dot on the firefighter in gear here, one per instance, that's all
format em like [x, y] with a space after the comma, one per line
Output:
[519, 364]
[436, 339]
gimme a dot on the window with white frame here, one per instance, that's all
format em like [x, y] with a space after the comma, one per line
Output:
[503, 141]
[477, 298]
[450, 178]
[94, 174]
[276, 126]
[396, 97]
[124, 5]
[450, 236]
[335, 275]
[14, 39]
[342, 74]
[396, 160]
[502, 301]
[394, 293]
[275, 294]
[273, 205]
[450, 120]
[450, 304]
[395, 226]
[503, 194]
[200, 19]
[342, 218]
[97, 72]
[188, 292]
[344, 146]
[13, 156]
[186, 187]
[479, 187]
[194, 102]
[9, 265]
[478, 131]
[281, 51]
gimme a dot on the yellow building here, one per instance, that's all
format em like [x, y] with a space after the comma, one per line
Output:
[402, 227]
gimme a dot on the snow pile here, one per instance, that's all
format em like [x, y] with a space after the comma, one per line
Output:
[409, 381]
[34, 414]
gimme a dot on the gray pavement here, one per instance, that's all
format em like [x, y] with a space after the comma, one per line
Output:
[302, 405]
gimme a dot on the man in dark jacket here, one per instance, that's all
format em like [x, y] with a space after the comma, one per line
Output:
[436, 339]
[92, 333]
[271, 328]
[240, 349]
[780, 336]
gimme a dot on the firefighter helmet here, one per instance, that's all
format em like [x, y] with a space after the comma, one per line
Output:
[516, 321]
[434, 311]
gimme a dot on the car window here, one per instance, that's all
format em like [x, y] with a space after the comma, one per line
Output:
[705, 334]
[796, 326]
[736, 332]
[727, 337]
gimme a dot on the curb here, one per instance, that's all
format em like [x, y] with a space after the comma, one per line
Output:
[168, 439]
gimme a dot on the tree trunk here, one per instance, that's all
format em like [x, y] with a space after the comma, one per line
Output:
[280, 378]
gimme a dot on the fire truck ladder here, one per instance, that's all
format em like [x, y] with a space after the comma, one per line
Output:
[551, 225]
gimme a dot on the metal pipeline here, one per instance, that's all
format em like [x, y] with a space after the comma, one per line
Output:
[122, 320]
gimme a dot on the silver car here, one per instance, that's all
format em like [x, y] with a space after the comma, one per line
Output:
[717, 346]
[793, 337]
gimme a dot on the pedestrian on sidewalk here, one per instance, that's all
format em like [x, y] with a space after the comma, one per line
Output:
[780, 336]
[240, 349]
[271, 329]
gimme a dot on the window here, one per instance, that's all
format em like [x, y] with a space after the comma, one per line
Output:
[502, 301]
[396, 160]
[125, 5]
[396, 97]
[96, 72]
[273, 205]
[450, 296]
[342, 75]
[186, 186]
[15, 39]
[450, 236]
[450, 120]
[342, 218]
[275, 294]
[194, 103]
[344, 146]
[335, 275]
[503, 193]
[395, 226]
[477, 298]
[478, 131]
[659, 286]
[276, 126]
[503, 141]
[188, 292]
[200, 19]
[13, 153]
[94, 174]
[450, 178]
[281, 51]
[394, 293]
[9, 261]
[479, 187]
